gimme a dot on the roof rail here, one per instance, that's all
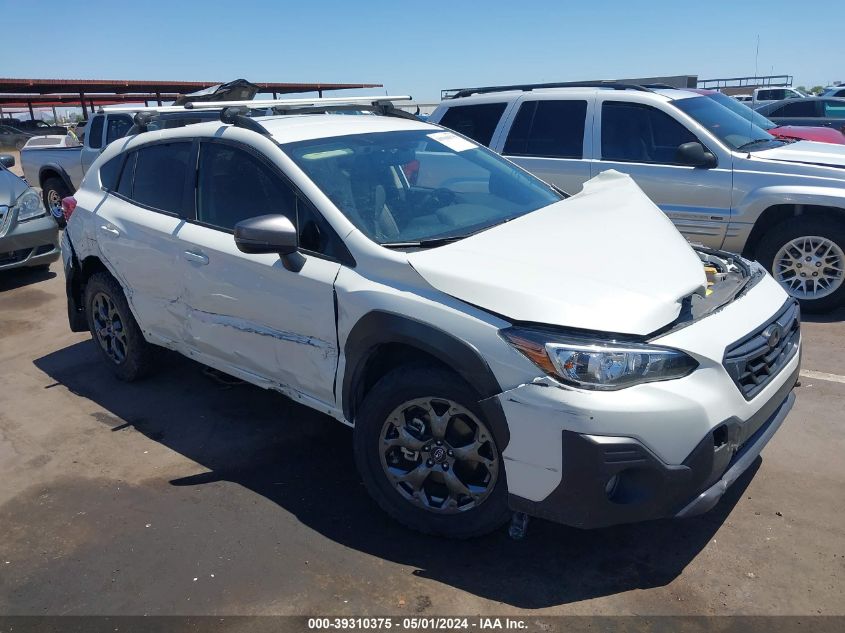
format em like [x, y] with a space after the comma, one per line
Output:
[455, 93]
[257, 104]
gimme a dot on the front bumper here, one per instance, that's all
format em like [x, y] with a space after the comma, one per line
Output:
[31, 243]
[610, 480]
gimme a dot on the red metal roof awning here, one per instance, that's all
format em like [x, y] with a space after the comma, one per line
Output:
[48, 86]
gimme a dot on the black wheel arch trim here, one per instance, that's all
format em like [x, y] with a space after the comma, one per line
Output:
[379, 328]
[59, 171]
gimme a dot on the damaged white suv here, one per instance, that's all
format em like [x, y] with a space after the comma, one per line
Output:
[496, 346]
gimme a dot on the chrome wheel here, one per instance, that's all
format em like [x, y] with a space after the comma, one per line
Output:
[810, 267]
[439, 455]
[54, 202]
[108, 328]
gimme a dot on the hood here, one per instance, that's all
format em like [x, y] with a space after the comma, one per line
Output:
[10, 187]
[808, 133]
[808, 152]
[606, 259]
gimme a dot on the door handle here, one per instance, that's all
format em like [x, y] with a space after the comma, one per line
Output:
[111, 230]
[196, 258]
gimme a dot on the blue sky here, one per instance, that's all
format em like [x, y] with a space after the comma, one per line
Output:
[418, 48]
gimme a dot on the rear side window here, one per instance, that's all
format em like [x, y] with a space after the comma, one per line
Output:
[117, 128]
[234, 185]
[124, 187]
[109, 173]
[160, 174]
[633, 132]
[95, 133]
[553, 129]
[477, 122]
[835, 109]
[798, 107]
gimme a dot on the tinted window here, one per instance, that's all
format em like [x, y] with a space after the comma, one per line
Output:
[639, 133]
[117, 128]
[110, 171]
[478, 122]
[160, 174]
[548, 128]
[124, 188]
[235, 185]
[798, 107]
[95, 133]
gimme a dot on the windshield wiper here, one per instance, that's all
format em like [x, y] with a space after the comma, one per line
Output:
[755, 141]
[429, 243]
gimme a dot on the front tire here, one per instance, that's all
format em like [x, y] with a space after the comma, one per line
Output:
[114, 329]
[807, 257]
[427, 456]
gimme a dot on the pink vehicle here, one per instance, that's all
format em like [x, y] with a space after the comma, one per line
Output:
[794, 132]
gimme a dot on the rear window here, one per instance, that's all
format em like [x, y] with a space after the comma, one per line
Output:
[95, 134]
[553, 129]
[109, 173]
[477, 122]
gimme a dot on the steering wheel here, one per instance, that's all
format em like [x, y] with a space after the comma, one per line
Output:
[441, 197]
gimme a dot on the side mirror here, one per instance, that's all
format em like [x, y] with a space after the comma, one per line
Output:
[7, 160]
[695, 155]
[266, 234]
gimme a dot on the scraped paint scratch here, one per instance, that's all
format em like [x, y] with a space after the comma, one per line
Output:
[262, 330]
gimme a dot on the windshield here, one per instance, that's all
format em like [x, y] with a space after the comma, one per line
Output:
[742, 110]
[734, 130]
[405, 188]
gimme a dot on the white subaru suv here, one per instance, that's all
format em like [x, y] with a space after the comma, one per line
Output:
[497, 346]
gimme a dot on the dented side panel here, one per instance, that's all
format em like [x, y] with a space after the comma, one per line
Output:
[249, 312]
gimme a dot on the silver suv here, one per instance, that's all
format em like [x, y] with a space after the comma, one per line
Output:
[723, 181]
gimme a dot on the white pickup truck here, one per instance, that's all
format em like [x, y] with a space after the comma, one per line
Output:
[59, 170]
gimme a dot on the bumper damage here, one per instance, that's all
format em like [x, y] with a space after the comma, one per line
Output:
[608, 480]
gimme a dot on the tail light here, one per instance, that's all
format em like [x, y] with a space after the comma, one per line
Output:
[68, 207]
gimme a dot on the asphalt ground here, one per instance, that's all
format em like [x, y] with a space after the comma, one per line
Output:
[182, 495]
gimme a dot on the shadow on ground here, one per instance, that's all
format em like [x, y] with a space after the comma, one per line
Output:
[20, 277]
[302, 461]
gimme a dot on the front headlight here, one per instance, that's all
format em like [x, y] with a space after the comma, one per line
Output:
[29, 206]
[597, 364]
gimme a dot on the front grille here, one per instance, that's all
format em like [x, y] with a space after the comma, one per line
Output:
[753, 361]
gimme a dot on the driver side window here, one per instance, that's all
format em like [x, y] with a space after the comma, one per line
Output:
[633, 132]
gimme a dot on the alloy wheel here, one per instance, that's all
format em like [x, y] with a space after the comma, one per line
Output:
[108, 327]
[810, 267]
[439, 455]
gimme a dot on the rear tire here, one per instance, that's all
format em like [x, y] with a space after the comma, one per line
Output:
[466, 459]
[807, 257]
[114, 329]
[52, 193]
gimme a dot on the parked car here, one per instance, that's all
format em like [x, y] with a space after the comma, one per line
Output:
[32, 126]
[28, 235]
[725, 182]
[13, 138]
[789, 132]
[833, 91]
[495, 346]
[761, 96]
[817, 111]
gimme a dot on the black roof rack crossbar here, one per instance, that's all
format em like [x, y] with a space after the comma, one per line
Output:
[614, 85]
